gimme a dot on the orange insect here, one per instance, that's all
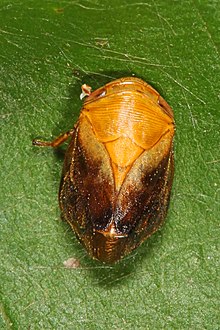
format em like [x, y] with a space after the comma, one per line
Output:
[118, 168]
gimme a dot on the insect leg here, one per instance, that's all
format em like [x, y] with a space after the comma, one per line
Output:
[56, 142]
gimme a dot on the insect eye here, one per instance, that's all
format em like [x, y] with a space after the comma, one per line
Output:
[102, 93]
[96, 95]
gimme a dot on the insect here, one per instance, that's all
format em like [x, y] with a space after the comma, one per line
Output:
[118, 168]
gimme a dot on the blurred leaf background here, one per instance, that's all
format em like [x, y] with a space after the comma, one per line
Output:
[48, 49]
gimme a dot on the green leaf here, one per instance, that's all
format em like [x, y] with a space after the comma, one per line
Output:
[48, 49]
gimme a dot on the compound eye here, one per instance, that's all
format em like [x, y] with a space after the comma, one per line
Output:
[102, 94]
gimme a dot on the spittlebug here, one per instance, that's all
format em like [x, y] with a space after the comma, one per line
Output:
[118, 168]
